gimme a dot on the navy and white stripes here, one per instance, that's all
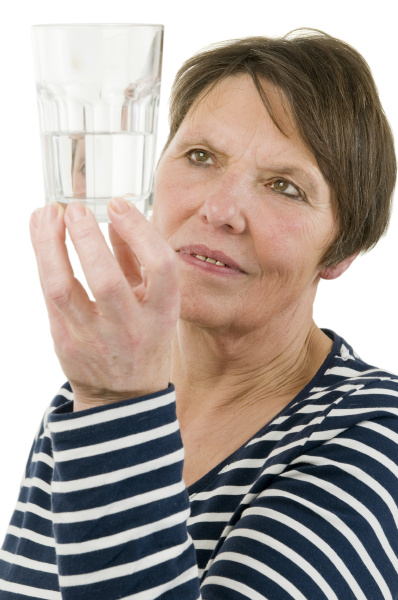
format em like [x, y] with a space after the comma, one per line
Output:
[306, 509]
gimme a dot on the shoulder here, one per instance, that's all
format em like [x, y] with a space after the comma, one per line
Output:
[351, 392]
[357, 387]
[345, 377]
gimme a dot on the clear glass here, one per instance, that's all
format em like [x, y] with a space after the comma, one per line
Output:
[98, 88]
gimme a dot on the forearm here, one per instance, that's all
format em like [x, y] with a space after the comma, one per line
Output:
[119, 502]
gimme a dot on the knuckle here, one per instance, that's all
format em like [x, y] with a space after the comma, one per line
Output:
[108, 287]
[82, 235]
[44, 243]
[59, 293]
[164, 260]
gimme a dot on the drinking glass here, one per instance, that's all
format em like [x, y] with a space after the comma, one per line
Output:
[98, 88]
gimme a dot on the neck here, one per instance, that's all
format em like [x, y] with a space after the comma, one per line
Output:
[216, 374]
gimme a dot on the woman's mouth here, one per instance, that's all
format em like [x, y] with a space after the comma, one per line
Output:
[212, 261]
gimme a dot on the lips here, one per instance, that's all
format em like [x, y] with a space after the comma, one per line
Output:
[203, 251]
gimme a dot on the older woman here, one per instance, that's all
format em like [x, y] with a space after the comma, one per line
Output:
[278, 171]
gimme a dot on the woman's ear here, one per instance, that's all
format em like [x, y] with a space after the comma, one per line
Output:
[334, 272]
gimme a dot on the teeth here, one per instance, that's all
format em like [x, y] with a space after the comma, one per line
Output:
[210, 260]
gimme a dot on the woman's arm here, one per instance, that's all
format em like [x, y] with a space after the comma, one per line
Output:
[119, 503]
[102, 509]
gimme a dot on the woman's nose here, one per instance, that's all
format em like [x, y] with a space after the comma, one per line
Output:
[222, 208]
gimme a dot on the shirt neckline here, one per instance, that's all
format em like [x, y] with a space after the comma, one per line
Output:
[206, 479]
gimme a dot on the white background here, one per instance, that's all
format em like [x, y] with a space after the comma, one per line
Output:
[361, 305]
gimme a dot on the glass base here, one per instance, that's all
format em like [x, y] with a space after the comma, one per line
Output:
[98, 206]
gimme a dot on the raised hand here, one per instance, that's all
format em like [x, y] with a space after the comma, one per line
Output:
[117, 347]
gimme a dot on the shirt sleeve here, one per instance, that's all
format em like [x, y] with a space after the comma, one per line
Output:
[119, 502]
[327, 526]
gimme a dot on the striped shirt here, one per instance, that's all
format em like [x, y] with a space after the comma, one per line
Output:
[306, 509]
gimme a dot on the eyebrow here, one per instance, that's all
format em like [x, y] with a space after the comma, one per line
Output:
[283, 170]
[199, 141]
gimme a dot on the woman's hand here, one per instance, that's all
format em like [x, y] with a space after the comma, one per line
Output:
[117, 347]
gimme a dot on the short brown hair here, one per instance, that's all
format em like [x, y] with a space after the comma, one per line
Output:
[334, 101]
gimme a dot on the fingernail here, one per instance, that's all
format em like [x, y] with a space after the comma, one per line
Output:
[76, 211]
[119, 205]
[51, 211]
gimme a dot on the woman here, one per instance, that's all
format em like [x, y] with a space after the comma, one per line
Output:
[278, 171]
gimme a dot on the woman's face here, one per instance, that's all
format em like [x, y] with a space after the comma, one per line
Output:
[232, 188]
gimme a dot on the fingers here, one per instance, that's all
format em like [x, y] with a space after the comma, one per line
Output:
[158, 262]
[143, 259]
[103, 273]
[62, 292]
[125, 257]
[57, 321]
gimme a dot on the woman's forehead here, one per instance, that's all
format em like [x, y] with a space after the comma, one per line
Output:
[239, 93]
[232, 114]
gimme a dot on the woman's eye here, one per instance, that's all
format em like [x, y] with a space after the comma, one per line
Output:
[285, 187]
[200, 156]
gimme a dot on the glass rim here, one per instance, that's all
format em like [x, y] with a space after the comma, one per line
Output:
[94, 25]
